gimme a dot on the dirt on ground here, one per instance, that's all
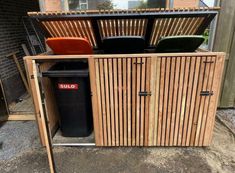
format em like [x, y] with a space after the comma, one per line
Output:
[218, 158]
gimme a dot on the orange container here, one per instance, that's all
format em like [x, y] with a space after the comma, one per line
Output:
[69, 45]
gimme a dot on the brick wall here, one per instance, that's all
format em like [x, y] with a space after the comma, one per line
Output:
[12, 35]
[185, 3]
[52, 5]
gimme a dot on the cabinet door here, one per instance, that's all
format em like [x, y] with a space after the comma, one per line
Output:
[121, 93]
[157, 101]
[185, 90]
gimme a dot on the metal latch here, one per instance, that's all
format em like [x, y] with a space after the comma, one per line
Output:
[207, 93]
[208, 62]
[138, 63]
[145, 93]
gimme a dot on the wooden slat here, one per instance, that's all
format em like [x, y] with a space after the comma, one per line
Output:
[193, 99]
[99, 111]
[95, 102]
[152, 112]
[174, 100]
[165, 101]
[101, 67]
[161, 100]
[170, 99]
[197, 103]
[157, 88]
[189, 99]
[120, 99]
[179, 100]
[106, 79]
[129, 101]
[147, 100]
[125, 108]
[134, 90]
[111, 94]
[183, 99]
[138, 74]
[115, 76]
[142, 101]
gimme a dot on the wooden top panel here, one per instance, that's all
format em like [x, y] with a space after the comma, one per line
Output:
[64, 57]
[152, 24]
[120, 11]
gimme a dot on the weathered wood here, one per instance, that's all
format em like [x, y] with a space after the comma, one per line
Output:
[23, 117]
[13, 55]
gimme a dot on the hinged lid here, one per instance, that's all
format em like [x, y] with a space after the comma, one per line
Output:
[151, 24]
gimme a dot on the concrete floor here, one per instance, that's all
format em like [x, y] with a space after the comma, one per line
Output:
[219, 157]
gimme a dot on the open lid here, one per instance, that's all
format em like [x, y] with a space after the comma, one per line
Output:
[152, 24]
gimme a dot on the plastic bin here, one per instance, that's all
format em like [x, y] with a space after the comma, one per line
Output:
[72, 91]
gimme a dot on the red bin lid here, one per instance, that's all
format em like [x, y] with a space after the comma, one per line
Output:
[69, 45]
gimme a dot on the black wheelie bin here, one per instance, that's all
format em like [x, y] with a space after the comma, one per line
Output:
[72, 91]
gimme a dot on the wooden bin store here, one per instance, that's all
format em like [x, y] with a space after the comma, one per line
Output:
[180, 89]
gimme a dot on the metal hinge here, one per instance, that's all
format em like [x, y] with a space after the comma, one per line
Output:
[43, 96]
[206, 93]
[38, 75]
[145, 93]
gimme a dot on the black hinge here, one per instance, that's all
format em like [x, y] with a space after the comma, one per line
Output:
[206, 93]
[43, 96]
[145, 93]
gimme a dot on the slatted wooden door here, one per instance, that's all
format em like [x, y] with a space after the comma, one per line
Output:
[157, 101]
[185, 93]
[122, 92]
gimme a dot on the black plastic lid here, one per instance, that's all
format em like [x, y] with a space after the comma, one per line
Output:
[68, 69]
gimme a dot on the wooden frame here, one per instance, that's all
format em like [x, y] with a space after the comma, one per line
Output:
[152, 100]
[146, 99]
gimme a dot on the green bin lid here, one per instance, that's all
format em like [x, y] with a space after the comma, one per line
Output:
[183, 43]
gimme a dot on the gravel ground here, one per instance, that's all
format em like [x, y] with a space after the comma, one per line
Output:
[228, 117]
[218, 158]
[17, 137]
